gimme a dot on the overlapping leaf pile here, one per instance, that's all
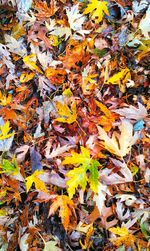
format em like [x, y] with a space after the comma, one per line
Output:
[74, 126]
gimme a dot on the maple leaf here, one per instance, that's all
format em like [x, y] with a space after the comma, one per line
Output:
[75, 52]
[123, 74]
[67, 115]
[5, 100]
[30, 61]
[66, 210]
[132, 112]
[15, 46]
[76, 19]
[56, 76]
[39, 184]
[121, 231]
[107, 119]
[59, 31]
[44, 10]
[25, 77]
[78, 176]
[97, 10]
[9, 167]
[4, 131]
[51, 246]
[119, 144]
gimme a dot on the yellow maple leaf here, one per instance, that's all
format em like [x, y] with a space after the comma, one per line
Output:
[97, 10]
[4, 99]
[66, 211]
[39, 184]
[123, 238]
[67, 115]
[121, 231]
[121, 76]
[25, 77]
[30, 61]
[4, 134]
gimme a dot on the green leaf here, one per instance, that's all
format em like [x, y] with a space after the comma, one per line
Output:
[145, 228]
[9, 167]
[78, 176]
[94, 176]
[100, 53]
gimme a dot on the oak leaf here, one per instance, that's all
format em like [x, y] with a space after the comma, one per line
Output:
[78, 176]
[97, 10]
[66, 210]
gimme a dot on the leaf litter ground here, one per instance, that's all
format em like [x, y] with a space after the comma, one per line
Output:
[74, 125]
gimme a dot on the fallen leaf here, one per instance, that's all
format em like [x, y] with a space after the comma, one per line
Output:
[78, 176]
[118, 76]
[144, 24]
[34, 178]
[67, 115]
[5, 99]
[97, 10]
[119, 144]
[131, 112]
[121, 231]
[66, 210]
[25, 76]
[30, 61]
[51, 246]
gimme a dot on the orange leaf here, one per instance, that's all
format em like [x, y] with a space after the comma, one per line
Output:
[66, 211]
[44, 10]
[56, 76]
